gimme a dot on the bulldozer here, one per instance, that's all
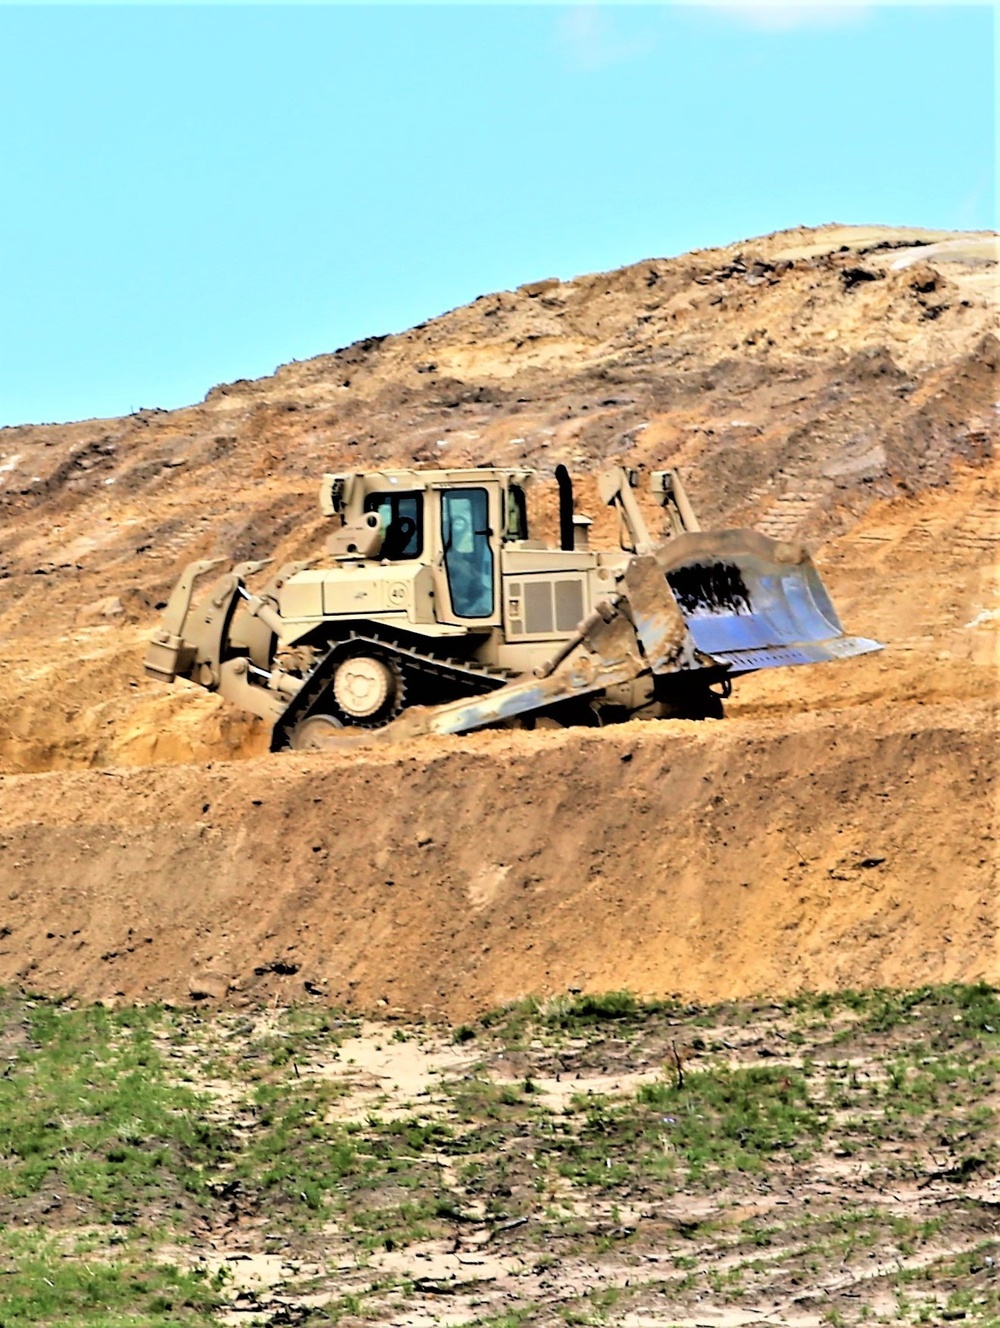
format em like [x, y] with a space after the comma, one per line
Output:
[435, 611]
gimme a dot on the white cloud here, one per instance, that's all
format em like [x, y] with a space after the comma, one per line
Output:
[587, 37]
[780, 16]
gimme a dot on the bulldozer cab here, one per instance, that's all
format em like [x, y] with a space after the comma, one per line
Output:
[401, 516]
[453, 522]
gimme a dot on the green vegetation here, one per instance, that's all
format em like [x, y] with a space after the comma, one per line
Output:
[90, 1118]
[51, 1281]
[134, 1144]
[565, 1014]
[293, 1154]
[737, 1119]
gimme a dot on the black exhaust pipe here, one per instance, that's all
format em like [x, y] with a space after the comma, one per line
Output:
[567, 533]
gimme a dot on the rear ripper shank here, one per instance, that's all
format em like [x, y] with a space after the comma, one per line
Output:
[438, 613]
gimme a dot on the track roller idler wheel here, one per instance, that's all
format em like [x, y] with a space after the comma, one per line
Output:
[368, 689]
[316, 732]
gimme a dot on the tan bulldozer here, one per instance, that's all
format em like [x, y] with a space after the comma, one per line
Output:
[435, 611]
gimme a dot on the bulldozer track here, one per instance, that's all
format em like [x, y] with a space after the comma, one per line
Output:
[976, 532]
[473, 678]
[979, 531]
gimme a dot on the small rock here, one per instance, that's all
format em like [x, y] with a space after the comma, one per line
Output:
[110, 608]
[208, 985]
[533, 288]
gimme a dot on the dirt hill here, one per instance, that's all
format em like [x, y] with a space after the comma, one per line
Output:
[838, 385]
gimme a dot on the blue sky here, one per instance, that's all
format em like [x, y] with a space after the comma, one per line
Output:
[190, 195]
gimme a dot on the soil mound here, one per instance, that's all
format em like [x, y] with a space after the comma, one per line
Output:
[710, 861]
[836, 385]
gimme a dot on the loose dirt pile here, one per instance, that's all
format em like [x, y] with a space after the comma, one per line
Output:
[837, 385]
[703, 860]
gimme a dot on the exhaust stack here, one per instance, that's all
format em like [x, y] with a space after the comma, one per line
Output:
[567, 527]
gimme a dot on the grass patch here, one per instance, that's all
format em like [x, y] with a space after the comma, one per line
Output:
[92, 1124]
[51, 1282]
[573, 1014]
[737, 1119]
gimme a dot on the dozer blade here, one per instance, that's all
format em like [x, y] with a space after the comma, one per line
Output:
[751, 602]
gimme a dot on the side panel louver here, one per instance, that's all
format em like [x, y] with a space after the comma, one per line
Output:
[545, 606]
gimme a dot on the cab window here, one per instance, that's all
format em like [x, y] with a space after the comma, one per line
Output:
[402, 520]
[516, 525]
[468, 558]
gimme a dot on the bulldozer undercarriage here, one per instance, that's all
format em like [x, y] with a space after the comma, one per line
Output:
[365, 683]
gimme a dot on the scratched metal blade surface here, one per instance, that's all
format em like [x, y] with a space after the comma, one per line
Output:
[751, 613]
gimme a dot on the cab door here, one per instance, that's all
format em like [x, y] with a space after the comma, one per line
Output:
[466, 573]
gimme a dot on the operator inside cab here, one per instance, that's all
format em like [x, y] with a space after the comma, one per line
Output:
[468, 556]
[402, 521]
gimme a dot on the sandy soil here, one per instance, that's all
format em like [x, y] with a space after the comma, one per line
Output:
[847, 849]
[837, 829]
